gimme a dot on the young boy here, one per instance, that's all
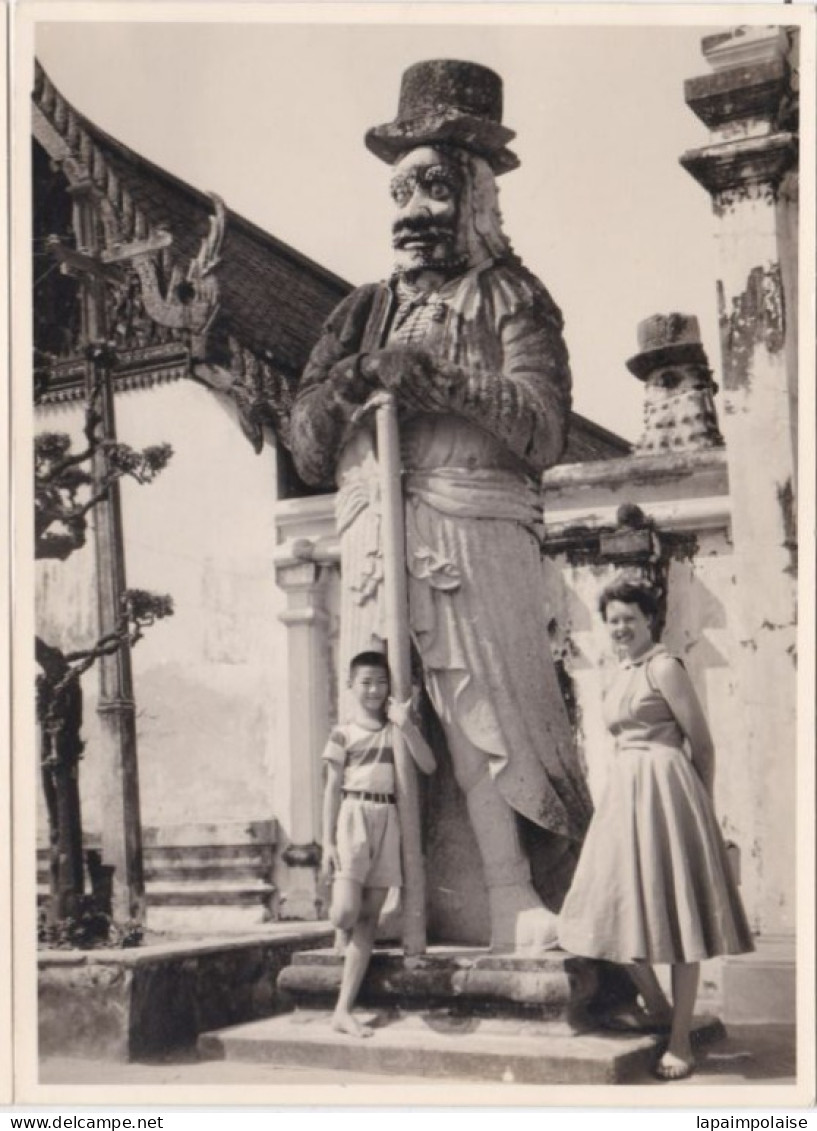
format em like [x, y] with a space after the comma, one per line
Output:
[361, 834]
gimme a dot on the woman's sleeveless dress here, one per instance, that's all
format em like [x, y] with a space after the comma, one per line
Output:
[653, 881]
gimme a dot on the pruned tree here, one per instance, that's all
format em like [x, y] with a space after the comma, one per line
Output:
[68, 484]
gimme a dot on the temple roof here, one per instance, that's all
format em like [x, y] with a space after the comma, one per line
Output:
[271, 299]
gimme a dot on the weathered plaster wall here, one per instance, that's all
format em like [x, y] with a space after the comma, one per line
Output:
[708, 587]
[206, 680]
[749, 101]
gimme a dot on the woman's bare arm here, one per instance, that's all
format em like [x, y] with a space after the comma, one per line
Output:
[672, 680]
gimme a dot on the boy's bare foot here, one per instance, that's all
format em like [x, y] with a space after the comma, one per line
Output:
[346, 1023]
[674, 1067]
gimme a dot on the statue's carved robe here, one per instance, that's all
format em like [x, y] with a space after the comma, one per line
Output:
[478, 606]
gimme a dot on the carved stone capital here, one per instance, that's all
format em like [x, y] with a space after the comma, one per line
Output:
[750, 102]
[740, 94]
[304, 615]
[746, 46]
[299, 576]
[739, 167]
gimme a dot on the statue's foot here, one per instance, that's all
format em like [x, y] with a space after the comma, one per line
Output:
[519, 922]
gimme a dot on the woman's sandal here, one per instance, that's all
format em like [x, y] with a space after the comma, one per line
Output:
[634, 1020]
[676, 1069]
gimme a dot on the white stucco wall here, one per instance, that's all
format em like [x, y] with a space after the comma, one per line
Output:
[207, 684]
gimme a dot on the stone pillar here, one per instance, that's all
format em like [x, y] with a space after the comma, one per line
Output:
[749, 102]
[299, 772]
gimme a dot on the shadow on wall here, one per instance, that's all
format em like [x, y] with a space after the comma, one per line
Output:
[694, 615]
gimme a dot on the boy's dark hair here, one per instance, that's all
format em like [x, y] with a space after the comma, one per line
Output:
[630, 592]
[369, 660]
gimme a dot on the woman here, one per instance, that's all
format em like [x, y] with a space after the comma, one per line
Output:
[653, 884]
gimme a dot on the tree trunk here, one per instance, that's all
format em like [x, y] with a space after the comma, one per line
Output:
[59, 705]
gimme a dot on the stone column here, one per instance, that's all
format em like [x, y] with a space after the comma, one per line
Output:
[749, 102]
[299, 774]
[121, 822]
[116, 707]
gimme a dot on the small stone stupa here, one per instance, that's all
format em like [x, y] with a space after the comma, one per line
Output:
[679, 404]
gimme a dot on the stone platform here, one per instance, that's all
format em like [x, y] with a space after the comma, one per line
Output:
[126, 1004]
[441, 1044]
[452, 1013]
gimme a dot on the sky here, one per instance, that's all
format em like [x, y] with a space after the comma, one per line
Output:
[271, 116]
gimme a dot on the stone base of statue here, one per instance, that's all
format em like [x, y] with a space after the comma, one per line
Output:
[452, 1013]
[557, 988]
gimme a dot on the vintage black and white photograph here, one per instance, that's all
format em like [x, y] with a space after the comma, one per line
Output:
[406, 637]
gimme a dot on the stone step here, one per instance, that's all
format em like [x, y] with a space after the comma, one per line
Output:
[240, 893]
[200, 876]
[201, 872]
[216, 834]
[228, 854]
[218, 858]
[554, 987]
[444, 1044]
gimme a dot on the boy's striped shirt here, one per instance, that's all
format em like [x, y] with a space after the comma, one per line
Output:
[366, 755]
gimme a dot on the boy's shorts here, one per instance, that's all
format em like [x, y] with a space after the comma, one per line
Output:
[368, 841]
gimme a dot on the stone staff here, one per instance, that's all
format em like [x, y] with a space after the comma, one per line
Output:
[399, 652]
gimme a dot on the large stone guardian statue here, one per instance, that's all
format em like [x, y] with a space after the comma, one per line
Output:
[470, 344]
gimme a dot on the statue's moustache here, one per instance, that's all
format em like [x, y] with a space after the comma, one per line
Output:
[403, 231]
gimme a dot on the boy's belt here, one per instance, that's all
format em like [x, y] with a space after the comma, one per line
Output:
[381, 798]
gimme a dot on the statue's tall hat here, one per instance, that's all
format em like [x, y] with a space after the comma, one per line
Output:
[667, 339]
[446, 101]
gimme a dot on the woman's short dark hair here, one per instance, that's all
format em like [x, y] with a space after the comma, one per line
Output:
[630, 592]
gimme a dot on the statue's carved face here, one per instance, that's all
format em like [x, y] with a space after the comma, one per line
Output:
[426, 186]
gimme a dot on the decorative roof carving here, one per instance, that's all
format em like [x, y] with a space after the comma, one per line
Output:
[130, 323]
[262, 395]
[142, 367]
[190, 300]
